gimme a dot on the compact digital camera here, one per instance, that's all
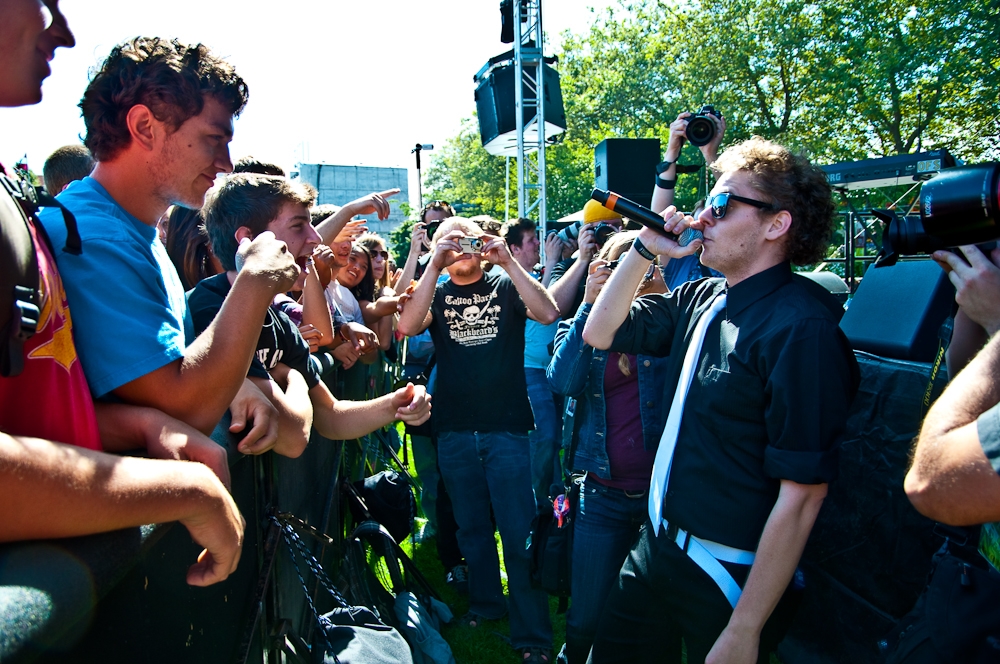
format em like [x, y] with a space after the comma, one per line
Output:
[471, 245]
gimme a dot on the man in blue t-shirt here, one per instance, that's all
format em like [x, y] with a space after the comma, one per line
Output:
[546, 470]
[54, 480]
[483, 416]
[159, 118]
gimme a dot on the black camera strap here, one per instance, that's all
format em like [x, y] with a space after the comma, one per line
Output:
[944, 340]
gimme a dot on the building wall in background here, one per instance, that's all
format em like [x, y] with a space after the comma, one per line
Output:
[342, 184]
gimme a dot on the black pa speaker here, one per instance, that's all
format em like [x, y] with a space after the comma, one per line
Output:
[897, 311]
[627, 166]
[495, 107]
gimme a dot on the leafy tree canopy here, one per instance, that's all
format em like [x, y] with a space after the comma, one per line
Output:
[839, 79]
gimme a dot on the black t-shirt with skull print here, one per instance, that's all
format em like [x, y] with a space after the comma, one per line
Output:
[478, 333]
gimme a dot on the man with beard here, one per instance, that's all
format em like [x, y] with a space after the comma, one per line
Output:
[477, 324]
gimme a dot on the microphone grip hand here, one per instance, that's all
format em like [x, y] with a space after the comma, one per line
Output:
[643, 215]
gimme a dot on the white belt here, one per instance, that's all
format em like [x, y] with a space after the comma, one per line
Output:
[707, 555]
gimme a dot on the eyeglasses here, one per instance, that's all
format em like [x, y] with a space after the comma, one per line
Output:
[720, 203]
[384, 254]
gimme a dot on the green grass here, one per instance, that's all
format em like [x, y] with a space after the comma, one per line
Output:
[484, 644]
[481, 645]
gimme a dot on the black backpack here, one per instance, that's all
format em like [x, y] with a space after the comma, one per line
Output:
[19, 297]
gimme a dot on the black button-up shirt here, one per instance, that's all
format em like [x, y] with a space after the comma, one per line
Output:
[770, 398]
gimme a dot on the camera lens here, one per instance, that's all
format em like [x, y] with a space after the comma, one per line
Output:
[571, 232]
[958, 206]
[602, 232]
[700, 130]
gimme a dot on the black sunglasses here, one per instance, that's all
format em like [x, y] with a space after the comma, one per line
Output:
[720, 203]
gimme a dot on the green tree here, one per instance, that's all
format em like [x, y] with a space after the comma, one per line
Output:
[839, 79]
[462, 172]
[898, 70]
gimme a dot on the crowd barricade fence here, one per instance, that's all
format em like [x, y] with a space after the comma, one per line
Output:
[122, 596]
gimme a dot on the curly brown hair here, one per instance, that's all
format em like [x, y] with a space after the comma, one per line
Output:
[169, 77]
[791, 183]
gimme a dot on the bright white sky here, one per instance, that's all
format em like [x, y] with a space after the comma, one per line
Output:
[335, 81]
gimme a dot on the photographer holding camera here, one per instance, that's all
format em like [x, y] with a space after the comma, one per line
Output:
[706, 130]
[477, 323]
[955, 479]
[568, 281]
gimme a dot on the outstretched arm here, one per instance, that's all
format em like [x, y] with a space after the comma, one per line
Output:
[565, 289]
[615, 299]
[662, 196]
[416, 314]
[374, 203]
[417, 241]
[52, 490]
[951, 479]
[198, 388]
[540, 305]
[345, 420]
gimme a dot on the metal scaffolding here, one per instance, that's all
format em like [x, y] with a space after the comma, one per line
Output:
[529, 95]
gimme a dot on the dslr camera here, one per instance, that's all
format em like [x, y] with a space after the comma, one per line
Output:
[602, 232]
[700, 128]
[958, 206]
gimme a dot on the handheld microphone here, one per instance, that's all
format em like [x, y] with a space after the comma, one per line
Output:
[643, 215]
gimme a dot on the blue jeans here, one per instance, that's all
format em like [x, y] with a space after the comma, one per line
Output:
[425, 461]
[480, 469]
[545, 439]
[607, 525]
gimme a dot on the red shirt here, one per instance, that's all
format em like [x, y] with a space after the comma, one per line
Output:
[631, 463]
[50, 399]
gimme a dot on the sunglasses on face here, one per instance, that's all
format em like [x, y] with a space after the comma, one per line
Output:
[384, 254]
[720, 203]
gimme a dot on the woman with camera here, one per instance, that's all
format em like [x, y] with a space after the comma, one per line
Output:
[620, 412]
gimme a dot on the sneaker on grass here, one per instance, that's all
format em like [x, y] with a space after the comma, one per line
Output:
[458, 579]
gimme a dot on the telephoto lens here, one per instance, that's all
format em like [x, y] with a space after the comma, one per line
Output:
[958, 206]
[571, 232]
